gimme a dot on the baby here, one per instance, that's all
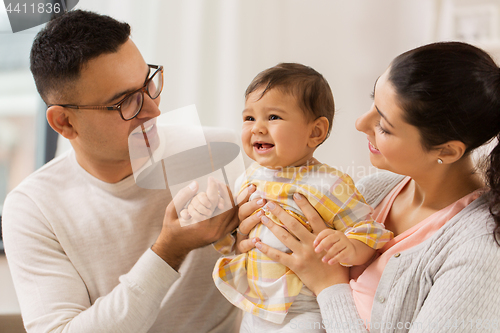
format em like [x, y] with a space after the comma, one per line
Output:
[288, 113]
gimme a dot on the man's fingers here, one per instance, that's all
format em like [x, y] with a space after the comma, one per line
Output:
[212, 191]
[312, 216]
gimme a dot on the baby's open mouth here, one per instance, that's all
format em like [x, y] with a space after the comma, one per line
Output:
[262, 146]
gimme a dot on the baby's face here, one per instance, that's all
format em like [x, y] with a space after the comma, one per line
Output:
[275, 132]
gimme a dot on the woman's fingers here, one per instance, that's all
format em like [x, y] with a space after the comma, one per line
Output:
[283, 235]
[312, 216]
[276, 255]
[294, 226]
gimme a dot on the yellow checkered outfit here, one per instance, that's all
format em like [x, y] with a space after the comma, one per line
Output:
[265, 288]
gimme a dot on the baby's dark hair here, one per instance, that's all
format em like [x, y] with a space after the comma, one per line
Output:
[309, 87]
[67, 43]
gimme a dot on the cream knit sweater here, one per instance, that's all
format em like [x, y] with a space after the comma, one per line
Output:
[79, 253]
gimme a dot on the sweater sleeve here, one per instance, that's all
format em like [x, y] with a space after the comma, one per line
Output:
[464, 296]
[338, 310]
[52, 295]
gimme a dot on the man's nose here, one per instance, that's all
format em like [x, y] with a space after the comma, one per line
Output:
[150, 107]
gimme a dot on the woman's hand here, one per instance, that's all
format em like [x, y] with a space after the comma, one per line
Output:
[243, 243]
[304, 261]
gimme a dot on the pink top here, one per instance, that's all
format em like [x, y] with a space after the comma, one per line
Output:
[365, 285]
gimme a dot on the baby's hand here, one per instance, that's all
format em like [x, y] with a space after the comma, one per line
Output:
[203, 205]
[337, 246]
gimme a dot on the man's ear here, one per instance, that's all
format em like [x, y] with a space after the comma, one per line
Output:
[319, 132]
[451, 151]
[59, 119]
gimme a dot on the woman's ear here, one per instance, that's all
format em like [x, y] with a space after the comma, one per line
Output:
[59, 119]
[319, 132]
[451, 151]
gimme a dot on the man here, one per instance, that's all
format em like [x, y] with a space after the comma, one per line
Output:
[88, 249]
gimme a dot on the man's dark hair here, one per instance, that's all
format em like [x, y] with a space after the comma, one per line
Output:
[67, 43]
[309, 87]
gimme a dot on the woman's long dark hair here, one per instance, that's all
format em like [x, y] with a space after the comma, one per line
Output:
[451, 91]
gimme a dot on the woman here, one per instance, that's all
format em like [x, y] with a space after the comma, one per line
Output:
[432, 107]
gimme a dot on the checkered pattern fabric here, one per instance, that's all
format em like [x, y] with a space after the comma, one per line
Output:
[257, 284]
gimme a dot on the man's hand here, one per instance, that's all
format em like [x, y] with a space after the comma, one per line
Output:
[175, 241]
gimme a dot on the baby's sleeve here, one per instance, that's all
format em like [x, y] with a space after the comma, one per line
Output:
[354, 215]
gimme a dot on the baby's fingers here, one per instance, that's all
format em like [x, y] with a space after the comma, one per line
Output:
[343, 257]
[198, 213]
[202, 198]
[200, 205]
[184, 214]
[325, 239]
[333, 252]
[220, 205]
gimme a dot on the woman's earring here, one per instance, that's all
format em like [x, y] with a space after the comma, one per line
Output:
[440, 161]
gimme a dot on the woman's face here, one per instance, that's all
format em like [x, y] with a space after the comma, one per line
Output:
[393, 144]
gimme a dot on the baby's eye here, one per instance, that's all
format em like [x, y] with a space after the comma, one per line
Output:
[274, 117]
[248, 118]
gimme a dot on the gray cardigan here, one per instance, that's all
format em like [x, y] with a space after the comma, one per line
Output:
[448, 283]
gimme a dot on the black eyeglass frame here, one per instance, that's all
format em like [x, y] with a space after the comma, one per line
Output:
[117, 106]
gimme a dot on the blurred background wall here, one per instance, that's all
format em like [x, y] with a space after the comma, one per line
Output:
[212, 49]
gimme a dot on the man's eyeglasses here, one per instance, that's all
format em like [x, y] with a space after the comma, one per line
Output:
[130, 105]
